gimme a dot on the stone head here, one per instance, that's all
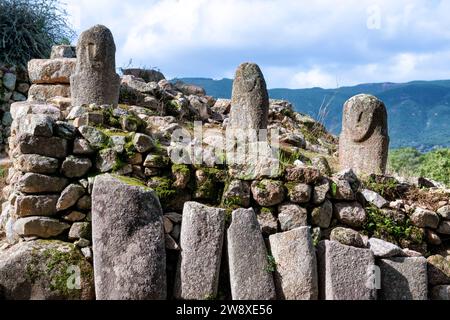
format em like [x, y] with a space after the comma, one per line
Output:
[247, 77]
[96, 49]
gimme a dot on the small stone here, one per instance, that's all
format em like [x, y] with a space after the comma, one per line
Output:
[321, 216]
[174, 217]
[65, 130]
[444, 227]
[303, 174]
[82, 147]
[440, 293]
[37, 164]
[444, 212]
[82, 243]
[74, 216]
[75, 167]
[268, 193]
[350, 213]
[36, 125]
[41, 227]
[171, 244]
[53, 147]
[384, 249]
[69, 197]
[176, 232]
[348, 237]
[143, 143]
[320, 192]
[433, 238]
[84, 203]
[168, 225]
[267, 222]
[36, 205]
[156, 161]
[106, 160]
[39, 183]
[374, 198]
[96, 138]
[292, 216]
[80, 230]
[423, 218]
[342, 190]
[9, 81]
[119, 143]
[238, 193]
[87, 253]
[299, 193]
[438, 270]
[411, 253]
[63, 51]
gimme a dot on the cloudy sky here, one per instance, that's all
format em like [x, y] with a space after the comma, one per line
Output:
[297, 43]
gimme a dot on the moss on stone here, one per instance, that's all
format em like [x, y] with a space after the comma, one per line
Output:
[181, 168]
[163, 188]
[131, 181]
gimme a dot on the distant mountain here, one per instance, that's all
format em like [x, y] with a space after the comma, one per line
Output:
[419, 111]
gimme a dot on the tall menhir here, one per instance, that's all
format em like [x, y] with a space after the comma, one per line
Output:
[95, 79]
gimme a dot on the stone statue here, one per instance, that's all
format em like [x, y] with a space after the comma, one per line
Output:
[95, 79]
[364, 140]
[250, 100]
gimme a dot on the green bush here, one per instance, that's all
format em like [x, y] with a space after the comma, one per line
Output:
[29, 29]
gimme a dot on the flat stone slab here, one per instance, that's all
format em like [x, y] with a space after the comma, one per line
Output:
[51, 71]
[345, 273]
[250, 275]
[296, 270]
[403, 279]
[128, 240]
[201, 244]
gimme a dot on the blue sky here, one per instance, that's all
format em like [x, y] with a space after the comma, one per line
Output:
[297, 43]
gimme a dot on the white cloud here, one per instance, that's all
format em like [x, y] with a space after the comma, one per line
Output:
[297, 43]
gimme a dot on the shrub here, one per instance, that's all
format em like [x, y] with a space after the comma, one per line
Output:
[29, 29]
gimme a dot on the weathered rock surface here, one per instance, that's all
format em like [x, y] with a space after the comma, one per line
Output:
[321, 216]
[37, 164]
[53, 147]
[302, 174]
[374, 198]
[403, 279]
[75, 167]
[350, 213]
[247, 256]
[201, 241]
[44, 205]
[347, 236]
[41, 227]
[438, 270]
[69, 196]
[296, 270]
[39, 183]
[425, 218]
[292, 216]
[45, 92]
[299, 193]
[51, 71]
[440, 293]
[384, 249]
[127, 265]
[268, 192]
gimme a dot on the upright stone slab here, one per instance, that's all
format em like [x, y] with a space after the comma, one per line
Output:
[345, 273]
[250, 100]
[128, 240]
[296, 271]
[364, 140]
[250, 275]
[201, 243]
[95, 79]
[403, 279]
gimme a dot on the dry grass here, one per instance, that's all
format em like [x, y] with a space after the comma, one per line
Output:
[425, 198]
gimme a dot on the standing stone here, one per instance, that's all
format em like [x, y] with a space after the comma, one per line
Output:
[201, 243]
[404, 279]
[95, 79]
[364, 141]
[250, 275]
[296, 271]
[345, 272]
[128, 240]
[250, 100]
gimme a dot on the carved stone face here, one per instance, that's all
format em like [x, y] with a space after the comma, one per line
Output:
[360, 116]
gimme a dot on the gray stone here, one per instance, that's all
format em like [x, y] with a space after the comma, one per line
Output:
[237, 192]
[292, 216]
[364, 140]
[82, 147]
[345, 273]
[440, 293]
[303, 174]
[41, 270]
[444, 212]
[142, 142]
[9, 81]
[321, 216]
[347, 236]
[37, 164]
[69, 196]
[299, 192]
[95, 79]
[201, 241]
[51, 71]
[75, 216]
[350, 213]
[156, 161]
[174, 217]
[80, 230]
[403, 279]
[106, 160]
[320, 191]
[341, 190]
[321, 163]
[96, 138]
[438, 270]
[53, 147]
[384, 249]
[75, 167]
[84, 203]
[250, 100]
[39, 183]
[45, 92]
[268, 193]
[36, 205]
[171, 244]
[65, 130]
[444, 227]
[267, 221]
[36, 125]
[423, 218]
[296, 270]
[374, 198]
[42, 227]
[127, 265]
[250, 277]
[63, 51]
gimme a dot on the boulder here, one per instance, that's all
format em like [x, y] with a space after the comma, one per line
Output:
[40, 183]
[296, 266]
[423, 218]
[267, 221]
[51, 71]
[299, 192]
[41, 227]
[45, 92]
[42, 205]
[302, 174]
[320, 191]
[237, 192]
[202, 235]
[96, 138]
[45, 270]
[80, 230]
[403, 279]
[342, 190]
[106, 160]
[444, 212]
[127, 265]
[374, 198]
[268, 193]
[142, 142]
[350, 213]
[53, 147]
[251, 277]
[36, 125]
[75, 167]
[37, 164]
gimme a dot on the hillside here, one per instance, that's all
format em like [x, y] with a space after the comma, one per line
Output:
[419, 111]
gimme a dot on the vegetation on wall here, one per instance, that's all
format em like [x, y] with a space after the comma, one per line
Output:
[29, 29]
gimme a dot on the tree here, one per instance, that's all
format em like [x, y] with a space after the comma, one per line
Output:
[29, 29]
